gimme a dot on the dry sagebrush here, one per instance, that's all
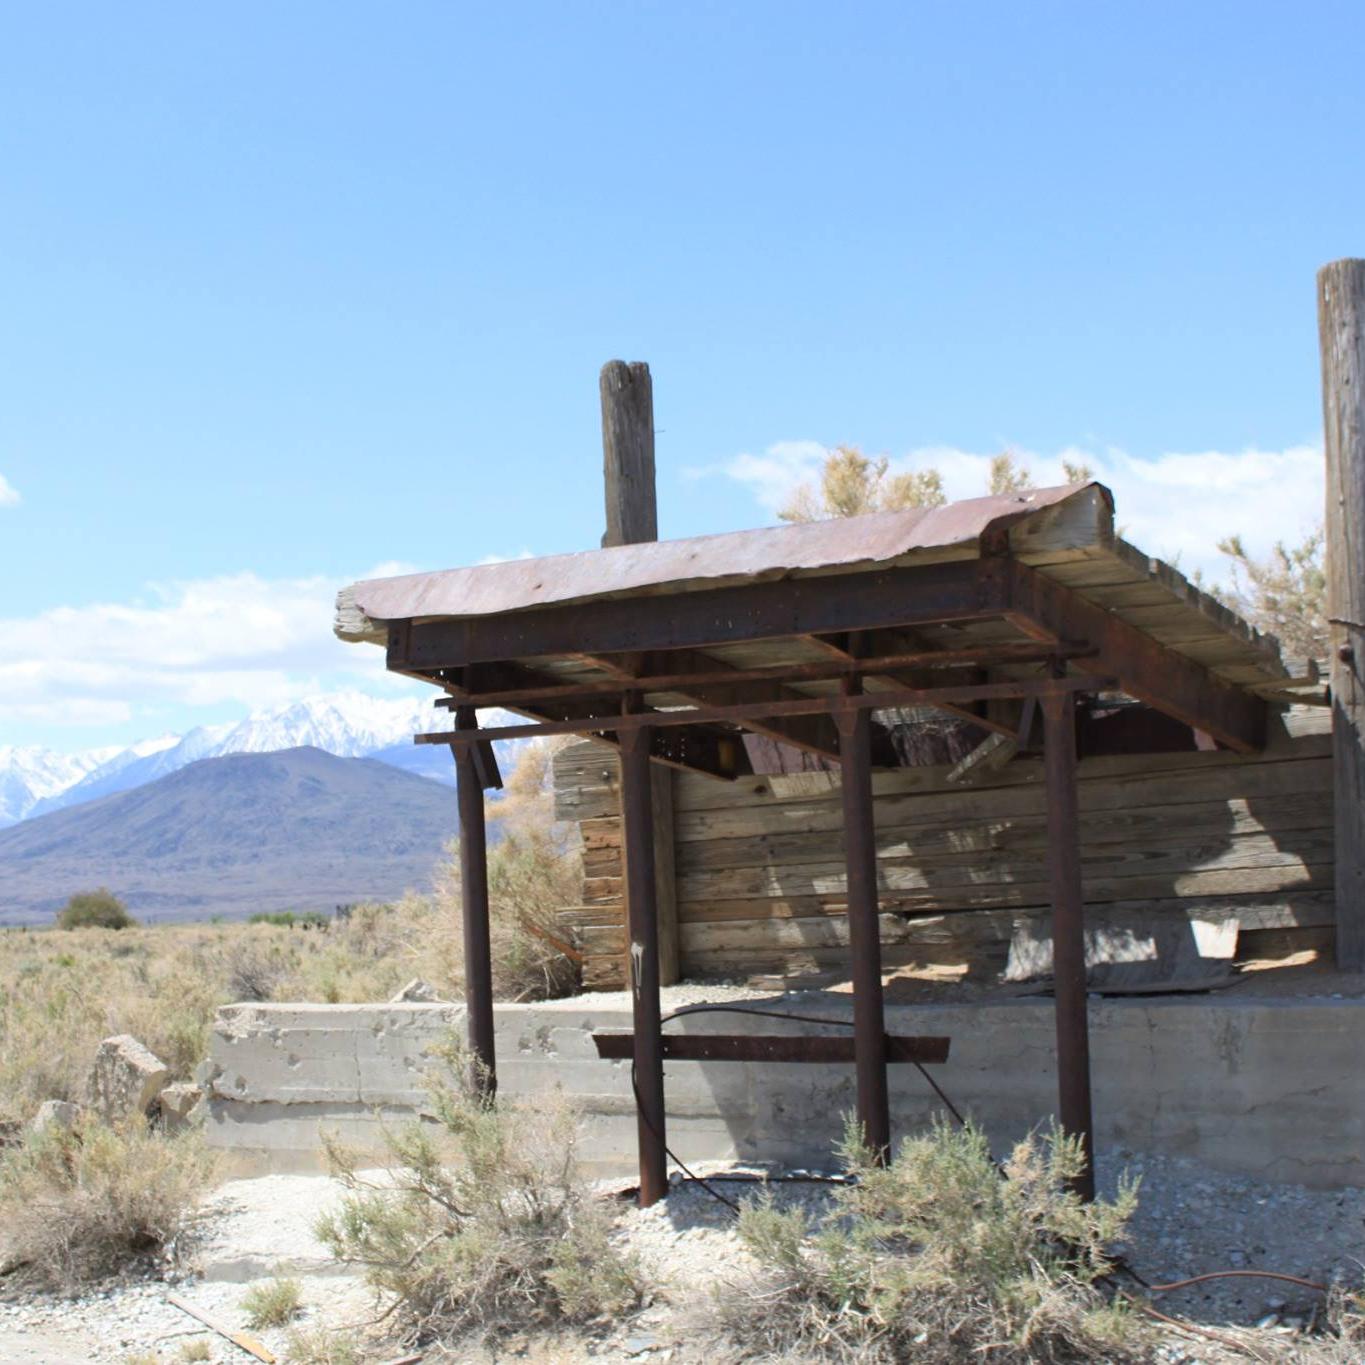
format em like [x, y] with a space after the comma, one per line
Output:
[936, 1258]
[484, 1224]
[76, 1206]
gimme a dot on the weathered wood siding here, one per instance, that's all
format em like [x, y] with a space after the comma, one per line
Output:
[760, 879]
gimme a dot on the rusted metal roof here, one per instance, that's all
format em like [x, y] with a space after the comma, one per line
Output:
[841, 545]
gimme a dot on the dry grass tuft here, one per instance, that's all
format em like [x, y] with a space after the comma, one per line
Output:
[485, 1225]
[79, 1205]
[272, 1303]
[936, 1259]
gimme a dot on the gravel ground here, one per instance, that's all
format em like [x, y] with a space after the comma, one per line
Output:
[1191, 1219]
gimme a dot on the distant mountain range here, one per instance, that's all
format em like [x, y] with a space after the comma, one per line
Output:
[36, 781]
[298, 829]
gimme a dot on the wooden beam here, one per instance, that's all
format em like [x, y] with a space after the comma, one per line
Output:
[632, 517]
[1341, 326]
[628, 453]
[1144, 668]
[962, 590]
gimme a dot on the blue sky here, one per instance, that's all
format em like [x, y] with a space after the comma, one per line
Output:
[290, 292]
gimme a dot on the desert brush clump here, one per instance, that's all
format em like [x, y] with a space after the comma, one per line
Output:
[80, 1204]
[272, 1303]
[483, 1225]
[99, 909]
[939, 1256]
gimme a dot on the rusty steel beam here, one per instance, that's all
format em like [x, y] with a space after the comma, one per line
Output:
[642, 922]
[786, 1047]
[743, 713]
[478, 957]
[815, 734]
[864, 932]
[962, 590]
[1068, 931]
[1145, 669]
[681, 669]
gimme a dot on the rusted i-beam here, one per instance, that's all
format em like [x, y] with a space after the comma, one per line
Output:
[637, 818]
[1068, 930]
[478, 956]
[864, 930]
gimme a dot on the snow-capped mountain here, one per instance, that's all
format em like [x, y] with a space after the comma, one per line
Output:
[348, 724]
[29, 774]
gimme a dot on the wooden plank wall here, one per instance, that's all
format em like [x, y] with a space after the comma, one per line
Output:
[760, 881]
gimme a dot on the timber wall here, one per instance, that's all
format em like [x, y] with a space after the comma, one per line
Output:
[759, 864]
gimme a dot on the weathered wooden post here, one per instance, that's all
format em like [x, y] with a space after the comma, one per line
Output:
[478, 955]
[1341, 329]
[646, 788]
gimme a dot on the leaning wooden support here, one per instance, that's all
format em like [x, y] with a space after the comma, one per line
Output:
[637, 819]
[1341, 325]
[1068, 930]
[864, 931]
[478, 953]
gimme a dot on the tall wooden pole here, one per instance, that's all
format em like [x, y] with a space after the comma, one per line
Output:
[1068, 931]
[646, 792]
[628, 452]
[478, 956]
[864, 930]
[1341, 329]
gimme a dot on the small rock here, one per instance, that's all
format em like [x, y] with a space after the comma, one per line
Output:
[55, 1113]
[126, 1078]
[180, 1107]
[417, 991]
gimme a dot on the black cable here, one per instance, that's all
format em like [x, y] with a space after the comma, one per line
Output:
[716, 1007]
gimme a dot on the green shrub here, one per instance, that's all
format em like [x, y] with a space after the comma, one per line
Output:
[287, 919]
[99, 909]
[936, 1258]
[272, 1303]
[82, 1204]
[484, 1225]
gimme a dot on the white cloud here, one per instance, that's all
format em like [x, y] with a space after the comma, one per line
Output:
[9, 494]
[233, 639]
[1176, 506]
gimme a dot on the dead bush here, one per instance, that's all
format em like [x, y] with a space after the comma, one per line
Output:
[484, 1224]
[82, 1204]
[936, 1258]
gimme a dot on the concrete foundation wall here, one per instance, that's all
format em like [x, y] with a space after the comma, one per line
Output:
[1270, 1088]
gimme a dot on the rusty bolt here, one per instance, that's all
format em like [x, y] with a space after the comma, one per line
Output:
[1346, 654]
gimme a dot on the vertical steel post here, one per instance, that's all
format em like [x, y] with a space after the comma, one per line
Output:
[478, 955]
[1068, 930]
[637, 816]
[864, 928]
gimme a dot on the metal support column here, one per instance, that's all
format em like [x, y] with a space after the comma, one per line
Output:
[637, 818]
[864, 929]
[478, 957]
[1068, 930]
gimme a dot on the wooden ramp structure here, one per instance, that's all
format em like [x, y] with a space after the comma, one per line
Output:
[1001, 612]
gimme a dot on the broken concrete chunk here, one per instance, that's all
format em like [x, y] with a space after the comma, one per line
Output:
[55, 1114]
[126, 1078]
[417, 991]
[180, 1107]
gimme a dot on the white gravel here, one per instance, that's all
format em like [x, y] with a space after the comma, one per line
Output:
[1191, 1219]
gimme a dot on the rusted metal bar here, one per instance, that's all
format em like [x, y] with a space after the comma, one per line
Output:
[637, 819]
[1068, 930]
[787, 1047]
[864, 930]
[701, 670]
[837, 706]
[963, 590]
[478, 955]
